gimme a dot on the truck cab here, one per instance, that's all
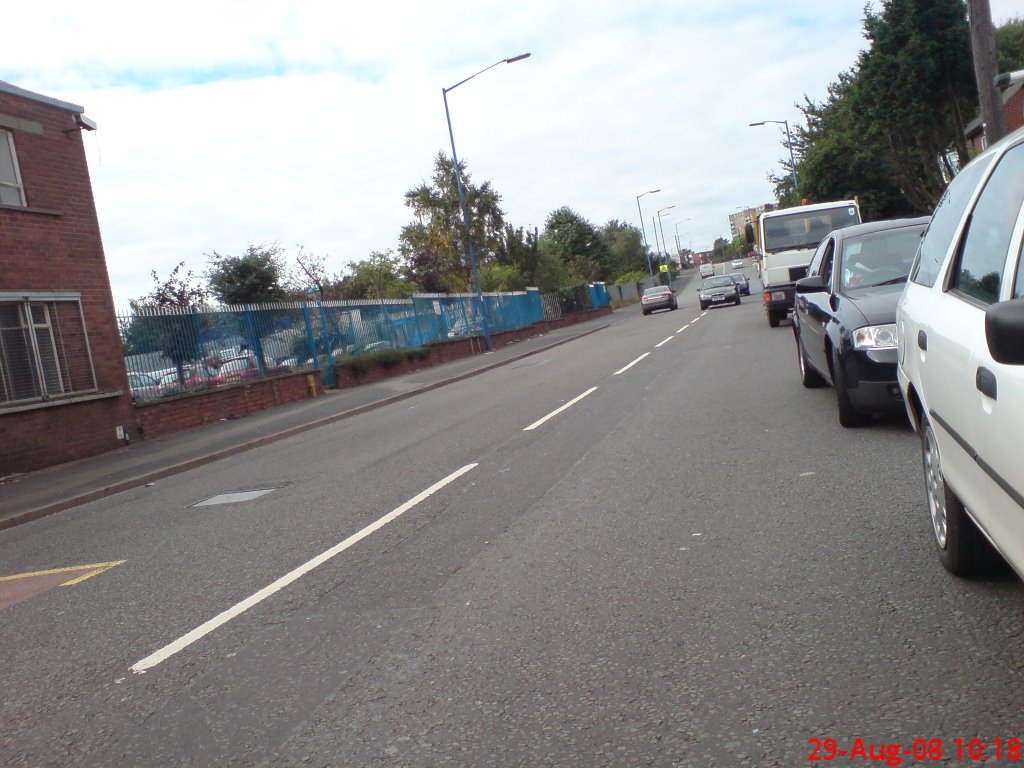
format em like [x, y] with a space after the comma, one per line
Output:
[786, 240]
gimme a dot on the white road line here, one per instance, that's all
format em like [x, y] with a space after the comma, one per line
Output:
[559, 410]
[666, 341]
[683, 328]
[224, 617]
[623, 370]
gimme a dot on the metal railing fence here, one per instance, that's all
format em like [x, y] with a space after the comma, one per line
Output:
[171, 351]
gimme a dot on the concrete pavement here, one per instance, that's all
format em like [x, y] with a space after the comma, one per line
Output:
[33, 495]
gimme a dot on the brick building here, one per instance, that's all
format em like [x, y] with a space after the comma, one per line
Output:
[63, 387]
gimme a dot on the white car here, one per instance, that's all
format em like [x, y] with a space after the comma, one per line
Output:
[737, 264]
[960, 326]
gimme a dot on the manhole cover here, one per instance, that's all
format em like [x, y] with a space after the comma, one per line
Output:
[233, 498]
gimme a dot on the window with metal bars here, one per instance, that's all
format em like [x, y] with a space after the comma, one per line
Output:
[44, 348]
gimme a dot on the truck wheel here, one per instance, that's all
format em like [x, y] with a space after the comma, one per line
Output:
[848, 415]
[962, 550]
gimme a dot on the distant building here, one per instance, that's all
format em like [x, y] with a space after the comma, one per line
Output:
[740, 218]
[63, 387]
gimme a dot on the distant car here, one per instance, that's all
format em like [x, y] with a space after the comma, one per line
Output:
[658, 297]
[707, 270]
[742, 281]
[845, 312]
[143, 386]
[737, 264]
[720, 289]
[961, 361]
[195, 377]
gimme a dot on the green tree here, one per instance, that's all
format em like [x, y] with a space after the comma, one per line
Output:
[1010, 45]
[841, 160]
[519, 248]
[309, 278]
[915, 84]
[625, 249]
[501, 277]
[255, 276]
[576, 243]
[378, 277]
[164, 319]
[433, 246]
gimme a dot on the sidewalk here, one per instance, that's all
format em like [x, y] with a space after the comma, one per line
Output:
[37, 494]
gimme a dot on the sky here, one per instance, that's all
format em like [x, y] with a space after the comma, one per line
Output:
[223, 124]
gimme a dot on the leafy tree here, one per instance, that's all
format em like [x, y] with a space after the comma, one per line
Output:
[501, 277]
[519, 248]
[433, 246]
[1010, 45]
[625, 249]
[842, 160]
[254, 277]
[915, 84]
[576, 243]
[378, 277]
[175, 334]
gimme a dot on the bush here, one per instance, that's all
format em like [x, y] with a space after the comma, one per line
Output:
[383, 358]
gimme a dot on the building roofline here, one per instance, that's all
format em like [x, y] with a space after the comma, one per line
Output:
[14, 90]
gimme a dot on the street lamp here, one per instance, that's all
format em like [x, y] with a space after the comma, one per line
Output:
[643, 229]
[484, 328]
[661, 226]
[789, 143]
[679, 251]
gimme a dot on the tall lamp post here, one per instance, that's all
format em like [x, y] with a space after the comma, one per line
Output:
[661, 226]
[643, 229]
[679, 251]
[484, 326]
[789, 143]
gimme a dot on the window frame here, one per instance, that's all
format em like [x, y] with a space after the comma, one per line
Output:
[27, 304]
[18, 184]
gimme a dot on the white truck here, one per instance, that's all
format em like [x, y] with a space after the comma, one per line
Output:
[786, 241]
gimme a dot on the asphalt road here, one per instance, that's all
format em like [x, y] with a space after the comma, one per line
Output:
[690, 565]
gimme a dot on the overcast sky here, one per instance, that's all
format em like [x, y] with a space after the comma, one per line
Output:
[228, 123]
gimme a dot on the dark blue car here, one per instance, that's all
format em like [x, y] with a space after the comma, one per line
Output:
[844, 318]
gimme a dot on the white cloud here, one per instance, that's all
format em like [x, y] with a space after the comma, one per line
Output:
[225, 123]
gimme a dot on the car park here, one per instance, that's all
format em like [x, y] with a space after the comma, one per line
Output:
[845, 313]
[960, 324]
[717, 290]
[742, 281]
[658, 297]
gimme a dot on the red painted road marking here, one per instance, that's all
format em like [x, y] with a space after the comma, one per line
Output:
[22, 586]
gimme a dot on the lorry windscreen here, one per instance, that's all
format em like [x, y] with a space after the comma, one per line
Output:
[805, 229]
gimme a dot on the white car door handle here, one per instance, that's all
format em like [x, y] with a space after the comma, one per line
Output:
[985, 381]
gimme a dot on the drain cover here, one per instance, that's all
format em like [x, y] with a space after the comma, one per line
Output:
[233, 498]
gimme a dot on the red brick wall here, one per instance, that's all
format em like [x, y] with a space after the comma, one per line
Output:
[51, 252]
[163, 417]
[1013, 111]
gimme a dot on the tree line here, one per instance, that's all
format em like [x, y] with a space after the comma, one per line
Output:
[430, 258]
[892, 128]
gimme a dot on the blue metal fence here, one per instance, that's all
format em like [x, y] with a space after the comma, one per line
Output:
[170, 351]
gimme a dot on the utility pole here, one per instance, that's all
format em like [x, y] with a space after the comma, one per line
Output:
[983, 42]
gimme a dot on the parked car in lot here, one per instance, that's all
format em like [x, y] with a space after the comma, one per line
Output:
[742, 281]
[242, 368]
[658, 297]
[961, 361]
[142, 385]
[844, 315]
[720, 289]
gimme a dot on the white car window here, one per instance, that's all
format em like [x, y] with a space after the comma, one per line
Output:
[979, 268]
[945, 221]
